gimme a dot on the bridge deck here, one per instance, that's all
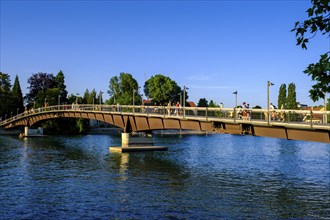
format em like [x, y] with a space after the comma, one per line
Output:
[290, 124]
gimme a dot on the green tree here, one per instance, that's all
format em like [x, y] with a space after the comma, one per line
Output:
[202, 102]
[212, 104]
[60, 84]
[162, 89]
[39, 84]
[87, 98]
[5, 96]
[281, 96]
[122, 88]
[318, 21]
[291, 102]
[17, 96]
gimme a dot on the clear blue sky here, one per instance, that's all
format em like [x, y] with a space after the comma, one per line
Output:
[212, 47]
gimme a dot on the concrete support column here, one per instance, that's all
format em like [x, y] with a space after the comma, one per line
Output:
[128, 139]
[33, 132]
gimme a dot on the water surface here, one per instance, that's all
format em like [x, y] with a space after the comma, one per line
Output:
[199, 177]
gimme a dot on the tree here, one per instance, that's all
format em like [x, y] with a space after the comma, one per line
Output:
[60, 84]
[202, 102]
[39, 84]
[212, 104]
[319, 21]
[5, 96]
[281, 96]
[291, 102]
[122, 88]
[162, 89]
[17, 96]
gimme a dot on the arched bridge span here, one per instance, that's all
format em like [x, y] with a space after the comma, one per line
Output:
[294, 125]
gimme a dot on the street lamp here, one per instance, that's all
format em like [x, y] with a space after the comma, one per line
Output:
[133, 100]
[269, 84]
[184, 101]
[34, 104]
[77, 94]
[100, 97]
[59, 101]
[325, 120]
[235, 93]
[45, 102]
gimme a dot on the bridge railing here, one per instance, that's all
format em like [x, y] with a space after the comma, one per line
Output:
[236, 115]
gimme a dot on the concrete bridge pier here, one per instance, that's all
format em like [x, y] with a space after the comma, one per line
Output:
[29, 132]
[141, 142]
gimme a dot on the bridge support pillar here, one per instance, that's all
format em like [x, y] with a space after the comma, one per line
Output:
[28, 132]
[127, 139]
[132, 142]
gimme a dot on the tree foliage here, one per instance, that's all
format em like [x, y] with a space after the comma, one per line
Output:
[122, 88]
[17, 96]
[202, 102]
[212, 104]
[162, 89]
[282, 96]
[90, 97]
[60, 84]
[291, 102]
[318, 21]
[39, 84]
[5, 96]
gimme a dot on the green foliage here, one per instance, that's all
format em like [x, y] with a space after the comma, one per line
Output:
[5, 96]
[162, 89]
[39, 84]
[281, 96]
[82, 125]
[90, 97]
[17, 96]
[319, 21]
[291, 102]
[202, 103]
[212, 104]
[60, 84]
[122, 88]
[320, 72]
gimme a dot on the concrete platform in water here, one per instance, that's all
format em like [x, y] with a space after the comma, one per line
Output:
[137, 148]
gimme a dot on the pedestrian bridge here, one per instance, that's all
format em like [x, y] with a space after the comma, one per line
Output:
[306, 125]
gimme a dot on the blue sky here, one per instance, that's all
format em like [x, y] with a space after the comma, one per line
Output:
[212, 47]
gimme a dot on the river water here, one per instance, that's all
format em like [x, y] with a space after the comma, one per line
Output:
[199, 177]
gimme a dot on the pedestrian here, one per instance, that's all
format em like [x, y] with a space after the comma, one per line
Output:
[169, 108]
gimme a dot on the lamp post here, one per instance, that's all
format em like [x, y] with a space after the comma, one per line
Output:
[45, 102]
[269, 84]
[133, 100]
[100, 98]
[34, 104]
[184, 101]
[77, 94]
[59, 101]
[235, 93]
[325, 118]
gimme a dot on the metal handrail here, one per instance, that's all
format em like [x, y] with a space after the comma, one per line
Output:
[304, 118]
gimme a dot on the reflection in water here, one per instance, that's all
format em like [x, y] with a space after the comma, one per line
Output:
[200, 176]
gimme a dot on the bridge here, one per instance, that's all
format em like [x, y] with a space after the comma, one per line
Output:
[305, 125]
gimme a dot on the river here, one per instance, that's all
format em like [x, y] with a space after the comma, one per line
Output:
[199, 177]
